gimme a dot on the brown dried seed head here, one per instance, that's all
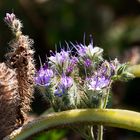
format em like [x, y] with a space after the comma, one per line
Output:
[9, 100]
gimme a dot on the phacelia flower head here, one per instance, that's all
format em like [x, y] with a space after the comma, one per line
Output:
[59, 62]
[63, 62]
[105, 74]
[89, 56]
[43, 77]
[102, 76]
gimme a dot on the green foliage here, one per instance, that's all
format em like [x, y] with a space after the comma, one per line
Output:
[51, 135]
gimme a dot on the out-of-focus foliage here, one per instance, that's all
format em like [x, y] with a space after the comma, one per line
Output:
[114, 25]
[123, 34]
[49, 22]
[53, 135]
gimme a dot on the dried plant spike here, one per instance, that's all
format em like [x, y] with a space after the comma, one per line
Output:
[9, 101]
[21, 59]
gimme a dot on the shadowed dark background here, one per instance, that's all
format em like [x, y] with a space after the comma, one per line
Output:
[114, 25]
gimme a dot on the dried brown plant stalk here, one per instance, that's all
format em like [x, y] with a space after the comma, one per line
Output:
[21, 60]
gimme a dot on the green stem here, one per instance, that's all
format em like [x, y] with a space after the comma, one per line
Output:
[106, 100]
[135, 69]
[100, 127]
[106, 97]
[102, 105]
[109, 117]
[90, 133]
[100, 132]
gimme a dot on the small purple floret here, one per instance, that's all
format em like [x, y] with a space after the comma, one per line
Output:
[43, 77]
[113, 65]
[60, 58]
[65, 83]
[81, 50]
[90, 50]
[87, 63]
[98, 83]
[72, 64]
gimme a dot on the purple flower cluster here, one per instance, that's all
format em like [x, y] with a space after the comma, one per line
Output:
[61, 65]
[102, 77]
[64, 68]
[89, 55]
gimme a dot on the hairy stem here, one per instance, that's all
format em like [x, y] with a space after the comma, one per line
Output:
[109, 117]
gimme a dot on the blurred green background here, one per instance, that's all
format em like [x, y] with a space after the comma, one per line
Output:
[114, 25]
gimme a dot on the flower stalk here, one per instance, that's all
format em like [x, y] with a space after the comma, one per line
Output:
[108, 117]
